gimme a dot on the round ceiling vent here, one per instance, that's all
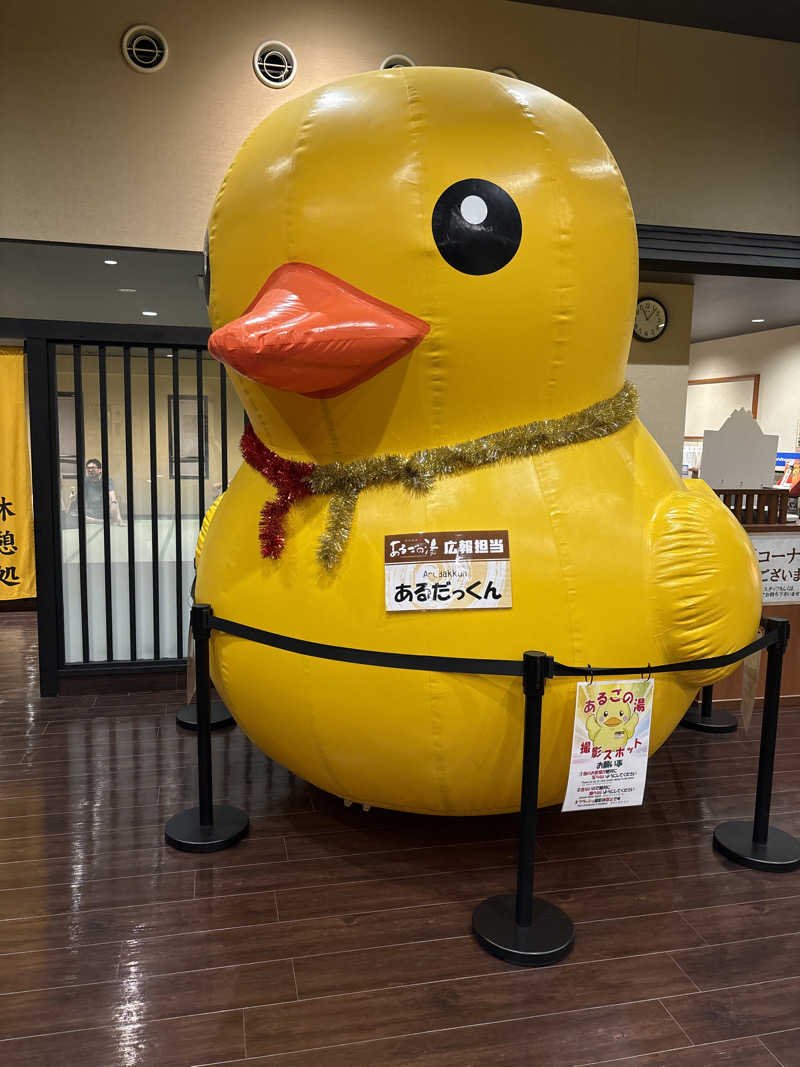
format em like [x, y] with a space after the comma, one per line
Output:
[274, 64]
[397, 60]
[144, 48]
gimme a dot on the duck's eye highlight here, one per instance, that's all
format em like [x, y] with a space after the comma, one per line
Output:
[476, 226]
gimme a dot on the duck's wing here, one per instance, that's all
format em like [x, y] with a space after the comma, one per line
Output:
[705, 583]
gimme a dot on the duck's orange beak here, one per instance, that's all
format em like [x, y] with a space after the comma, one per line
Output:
[309, 332]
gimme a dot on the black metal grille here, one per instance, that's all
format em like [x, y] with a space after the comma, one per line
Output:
[164, 428]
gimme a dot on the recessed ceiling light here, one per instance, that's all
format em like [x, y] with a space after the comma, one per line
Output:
[126, 290]
[110, 262]
[758, 320]
[150, 313]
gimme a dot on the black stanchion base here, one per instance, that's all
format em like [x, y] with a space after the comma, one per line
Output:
[220, 716]
[718, 722]
[547, 940]
[734, 840]
[184, 831]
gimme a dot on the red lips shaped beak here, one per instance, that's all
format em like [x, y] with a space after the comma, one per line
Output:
[309, 332]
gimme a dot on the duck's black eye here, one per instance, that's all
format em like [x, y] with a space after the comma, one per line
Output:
[206, 271]
[476, 226]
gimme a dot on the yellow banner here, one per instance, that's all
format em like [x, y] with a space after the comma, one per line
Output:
[17, 563]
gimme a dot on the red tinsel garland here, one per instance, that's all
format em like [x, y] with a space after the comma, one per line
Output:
[289, 478]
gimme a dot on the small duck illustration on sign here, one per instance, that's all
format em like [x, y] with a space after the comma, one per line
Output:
[612, 725]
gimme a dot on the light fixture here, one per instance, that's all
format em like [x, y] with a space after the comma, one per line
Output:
[398, 59]
[758, 320]
[110, 262]
[150, 314]
[274, 64]
[126, 290]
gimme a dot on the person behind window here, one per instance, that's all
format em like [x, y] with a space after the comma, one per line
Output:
[93, 495]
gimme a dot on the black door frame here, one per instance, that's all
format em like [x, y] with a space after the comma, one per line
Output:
[41, 338]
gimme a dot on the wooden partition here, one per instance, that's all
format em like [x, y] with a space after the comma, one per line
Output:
[754, 507]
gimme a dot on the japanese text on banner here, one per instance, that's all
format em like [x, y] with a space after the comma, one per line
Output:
[610, 742]
[17, 567]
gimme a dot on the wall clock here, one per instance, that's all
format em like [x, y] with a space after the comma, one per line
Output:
[651, 319]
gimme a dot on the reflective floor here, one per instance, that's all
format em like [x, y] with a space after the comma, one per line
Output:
[338, 937]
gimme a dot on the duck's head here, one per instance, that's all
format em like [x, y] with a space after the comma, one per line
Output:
[416, 257]
[616, 714]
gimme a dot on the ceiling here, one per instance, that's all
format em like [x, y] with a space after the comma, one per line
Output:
[779, 19]
[724, 306]
[72, 283]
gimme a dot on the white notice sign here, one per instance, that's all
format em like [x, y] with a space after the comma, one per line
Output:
[779, 563]
[610, 741]
[461, 569]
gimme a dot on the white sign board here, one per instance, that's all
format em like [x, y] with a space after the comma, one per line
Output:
[447, 570]
[610, 742]
[738, 455]
[779, 562]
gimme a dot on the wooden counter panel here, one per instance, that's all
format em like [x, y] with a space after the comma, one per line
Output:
[731, 688]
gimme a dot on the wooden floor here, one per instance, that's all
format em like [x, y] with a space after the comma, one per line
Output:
[336, 937]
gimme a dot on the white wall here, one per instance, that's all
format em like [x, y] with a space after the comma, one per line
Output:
[659, 369]
[96, 152]
[775, 355]
[662, 404]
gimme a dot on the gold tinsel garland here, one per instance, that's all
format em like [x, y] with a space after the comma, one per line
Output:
[419, 471]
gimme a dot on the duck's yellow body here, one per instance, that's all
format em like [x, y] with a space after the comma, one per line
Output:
[613, 558]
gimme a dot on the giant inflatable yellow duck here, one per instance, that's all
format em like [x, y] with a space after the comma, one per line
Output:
[422, 282]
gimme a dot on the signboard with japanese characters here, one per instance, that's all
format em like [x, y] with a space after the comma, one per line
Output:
[779, 562]
[610, 742]
[461, 569]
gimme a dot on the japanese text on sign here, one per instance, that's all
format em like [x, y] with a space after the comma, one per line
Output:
[610, 742]
[779, 563]
[451, 569]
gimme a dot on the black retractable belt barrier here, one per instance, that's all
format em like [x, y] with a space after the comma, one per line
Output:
[706, 719]
[519, 928]
[756, 844]
[208, 827]
[219, 716]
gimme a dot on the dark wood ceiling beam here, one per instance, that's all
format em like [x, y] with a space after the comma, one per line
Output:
[778, 19]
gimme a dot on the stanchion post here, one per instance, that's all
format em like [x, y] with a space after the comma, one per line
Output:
[534, 680]
[769, 729]
[201, 625]
[707, 702]
[707, 719]
[521, 928]
[209, 827]
[756, 844]
[219, 716]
